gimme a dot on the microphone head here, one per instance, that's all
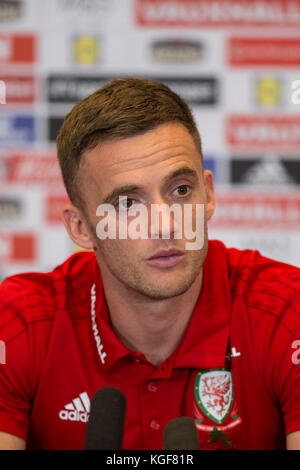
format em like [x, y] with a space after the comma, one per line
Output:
[181, 434]
[106, 420]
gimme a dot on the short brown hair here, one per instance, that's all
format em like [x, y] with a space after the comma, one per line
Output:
[122, 108]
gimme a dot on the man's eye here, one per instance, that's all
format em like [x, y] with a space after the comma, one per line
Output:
[125, 203]
[182, 190]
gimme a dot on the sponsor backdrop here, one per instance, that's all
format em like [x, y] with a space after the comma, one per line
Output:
[234, 63]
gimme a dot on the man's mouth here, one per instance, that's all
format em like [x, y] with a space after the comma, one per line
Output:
[166, 258]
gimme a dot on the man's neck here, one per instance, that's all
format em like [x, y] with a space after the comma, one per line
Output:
[150, 326]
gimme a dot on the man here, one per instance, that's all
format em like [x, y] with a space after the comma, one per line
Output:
[209, 332]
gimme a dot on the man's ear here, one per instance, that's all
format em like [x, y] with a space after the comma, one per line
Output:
[77, 227]
[210, 193]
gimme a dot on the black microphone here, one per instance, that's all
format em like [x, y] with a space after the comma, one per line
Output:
[106, 420]
[181, 434]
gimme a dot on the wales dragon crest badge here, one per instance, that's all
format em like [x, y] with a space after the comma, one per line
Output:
[214, 393]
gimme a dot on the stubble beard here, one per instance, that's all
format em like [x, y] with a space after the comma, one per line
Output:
[132, 276]
[118, 266]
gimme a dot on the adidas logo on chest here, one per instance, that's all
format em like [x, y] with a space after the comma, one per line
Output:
[77, 410]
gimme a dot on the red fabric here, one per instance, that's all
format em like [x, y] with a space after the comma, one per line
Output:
[53, 365]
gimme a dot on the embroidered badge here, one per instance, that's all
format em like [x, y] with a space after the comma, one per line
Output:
[214, 402]
[214, 393]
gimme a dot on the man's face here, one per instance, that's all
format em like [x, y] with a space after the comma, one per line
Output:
[162, 166]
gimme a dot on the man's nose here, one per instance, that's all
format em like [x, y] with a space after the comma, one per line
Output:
[164, 221]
